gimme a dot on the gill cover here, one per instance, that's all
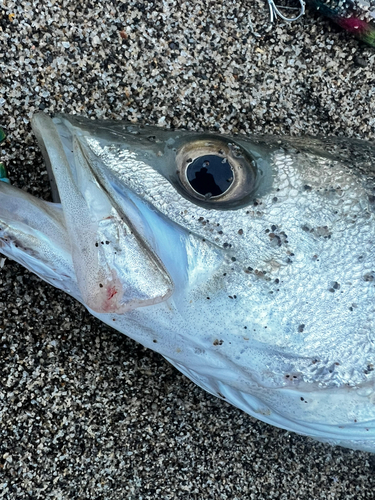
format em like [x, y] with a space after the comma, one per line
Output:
[115, 269]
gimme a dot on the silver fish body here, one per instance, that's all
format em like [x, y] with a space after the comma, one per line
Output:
[248, 263]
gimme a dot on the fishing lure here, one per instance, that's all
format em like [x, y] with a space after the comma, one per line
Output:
[355, 16]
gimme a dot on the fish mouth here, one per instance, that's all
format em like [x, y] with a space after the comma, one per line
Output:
[116, 268]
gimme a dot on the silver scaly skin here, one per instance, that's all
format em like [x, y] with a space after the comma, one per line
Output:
[263, 295]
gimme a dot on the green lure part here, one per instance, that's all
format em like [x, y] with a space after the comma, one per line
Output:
[3, 174]
[2, 135]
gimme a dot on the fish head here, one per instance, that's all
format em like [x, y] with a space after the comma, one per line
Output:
[123, 189]
[247, 262]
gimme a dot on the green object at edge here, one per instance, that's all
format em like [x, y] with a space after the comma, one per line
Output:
[3, 173]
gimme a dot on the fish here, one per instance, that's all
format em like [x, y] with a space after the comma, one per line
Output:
[247, 262]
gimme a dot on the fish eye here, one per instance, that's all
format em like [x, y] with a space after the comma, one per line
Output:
[216, 172]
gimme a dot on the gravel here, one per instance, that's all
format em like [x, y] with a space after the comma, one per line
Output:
[85, 412]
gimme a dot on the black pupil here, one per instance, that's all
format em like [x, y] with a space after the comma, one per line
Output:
[210, 175]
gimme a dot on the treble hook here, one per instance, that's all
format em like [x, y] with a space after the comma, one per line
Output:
[274, 11]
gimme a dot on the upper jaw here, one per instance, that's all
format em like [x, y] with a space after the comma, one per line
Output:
[116, 268]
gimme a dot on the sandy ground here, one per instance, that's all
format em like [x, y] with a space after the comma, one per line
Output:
[85, 412]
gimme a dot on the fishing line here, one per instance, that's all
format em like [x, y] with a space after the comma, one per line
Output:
[274, 11]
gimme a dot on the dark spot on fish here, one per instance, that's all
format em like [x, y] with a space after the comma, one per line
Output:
[301, 328]
[226, 245]
[208, 298]
[306, 187]
[302, 399]
[107, 242]
[101, 286]
[323, 231]
[240, 231]
[368, 276]
[369, 368]
[218, 342]
[273, 227]
[261, 274]
[233, 259]
[275, 239]
[96, 244]
[155, 341]
[245, 327]
[371, 199]
[336, 285]
[277, 280]
[220, 232]
[274, 199]
[230, 296]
